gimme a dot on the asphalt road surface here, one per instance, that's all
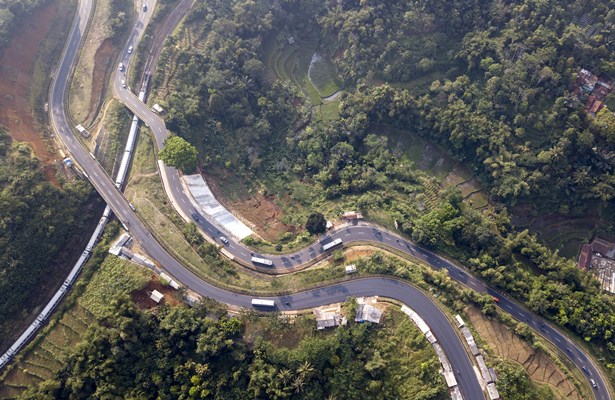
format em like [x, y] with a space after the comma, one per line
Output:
[311, 298]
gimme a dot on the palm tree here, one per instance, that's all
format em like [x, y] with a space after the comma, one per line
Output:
[298, 383]
[284, 375]
[305, 369]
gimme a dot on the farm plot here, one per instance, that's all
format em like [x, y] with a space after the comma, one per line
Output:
[47, 356]
[322, 75]
[114, 278]
[539, 366]
[307, 69]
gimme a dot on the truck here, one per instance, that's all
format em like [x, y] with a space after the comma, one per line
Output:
[263, 303]
[83, 131]
[264, 261]
[331, 244]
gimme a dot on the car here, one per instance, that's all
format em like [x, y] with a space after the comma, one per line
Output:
[123, 84]
[129, 49]
[496, 299]
[144, 7]
[195, 216]
[584, 368]
[121, 66]
[593, 382]
[223, 240]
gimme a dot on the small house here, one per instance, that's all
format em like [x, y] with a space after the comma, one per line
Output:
[156, 296]
[351, 268]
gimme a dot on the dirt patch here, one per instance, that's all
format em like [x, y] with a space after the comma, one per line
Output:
[15, 80]
[506, 344]
[358, 252]
[143, 300]
[261, 213]
[102, 61]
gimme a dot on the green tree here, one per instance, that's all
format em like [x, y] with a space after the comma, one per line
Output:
[316, 223]
[179, 154]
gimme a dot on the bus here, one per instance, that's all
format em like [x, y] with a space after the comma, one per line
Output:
[263, 303]
[263, 261]
[332, 244]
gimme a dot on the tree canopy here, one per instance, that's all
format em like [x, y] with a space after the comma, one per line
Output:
[316, 223]
[178, 153]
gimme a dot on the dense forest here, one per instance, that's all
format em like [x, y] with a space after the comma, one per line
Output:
[36, 221]
[490, 81]
[200, 352]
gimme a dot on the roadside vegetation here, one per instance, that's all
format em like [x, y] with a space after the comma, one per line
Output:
[487, 83]
[97, 60]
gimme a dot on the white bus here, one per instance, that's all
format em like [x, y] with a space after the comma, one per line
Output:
[263, 303]
[332, 244]
[263, 261]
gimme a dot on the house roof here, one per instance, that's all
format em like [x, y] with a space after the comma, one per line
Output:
[366, 312]
[596, 107]
[585, 256]
[156, 296]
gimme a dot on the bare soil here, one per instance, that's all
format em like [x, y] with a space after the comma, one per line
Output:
[507, 344]
[102, 62]
[261, 213]
[15, 80]
[142, 299]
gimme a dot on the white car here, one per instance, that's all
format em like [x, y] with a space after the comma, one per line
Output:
[121, 67]
[129, 49]
[224, 240]
[123, 84]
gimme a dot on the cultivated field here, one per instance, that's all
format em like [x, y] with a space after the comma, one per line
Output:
[540, 367]
[114, 278]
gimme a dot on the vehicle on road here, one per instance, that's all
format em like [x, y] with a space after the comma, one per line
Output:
[123, 84]
[121, 67]
[593, 382]
[223, 240]
[264, 261]
[263, 303]
[332, 244]
[496, 299]
[129, 49]
[144, 7]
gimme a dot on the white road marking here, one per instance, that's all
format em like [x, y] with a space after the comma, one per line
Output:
[521, 314]
[557, 340]
[361, 233]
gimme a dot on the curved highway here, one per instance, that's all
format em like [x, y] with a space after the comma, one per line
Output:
[310, 298]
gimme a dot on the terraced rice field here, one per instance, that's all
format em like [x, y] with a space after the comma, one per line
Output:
[47, 356]
[311, 72]
[506, 344]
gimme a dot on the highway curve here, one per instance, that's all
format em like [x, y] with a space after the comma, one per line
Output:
[310, 298]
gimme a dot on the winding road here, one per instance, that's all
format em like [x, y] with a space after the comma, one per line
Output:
[391, 288]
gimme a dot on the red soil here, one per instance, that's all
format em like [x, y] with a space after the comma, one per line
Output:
[15, 70]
